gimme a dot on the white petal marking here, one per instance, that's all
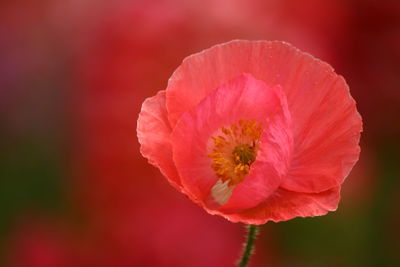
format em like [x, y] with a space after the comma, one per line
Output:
[221, 191]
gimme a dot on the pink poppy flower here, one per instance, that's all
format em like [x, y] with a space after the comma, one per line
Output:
[254, 131]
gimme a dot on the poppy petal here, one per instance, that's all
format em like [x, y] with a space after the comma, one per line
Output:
[153, 131]
[326, 124]
[284, 205]
[242, 98]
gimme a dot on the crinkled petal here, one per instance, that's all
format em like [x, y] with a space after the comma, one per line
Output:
[327, 144]
[284, 205]
[326, 124]
[242, 98]
[153, 131]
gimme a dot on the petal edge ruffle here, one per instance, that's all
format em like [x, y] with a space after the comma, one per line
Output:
[153, 131]
[284, 205]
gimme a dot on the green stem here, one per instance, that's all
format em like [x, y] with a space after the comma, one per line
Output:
[252, 231]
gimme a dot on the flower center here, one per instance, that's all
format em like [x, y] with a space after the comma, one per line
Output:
[244, 154]
[234, 150]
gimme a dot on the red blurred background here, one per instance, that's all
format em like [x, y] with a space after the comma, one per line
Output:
[74, 189]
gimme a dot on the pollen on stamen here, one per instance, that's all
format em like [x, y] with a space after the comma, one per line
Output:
[234, 149]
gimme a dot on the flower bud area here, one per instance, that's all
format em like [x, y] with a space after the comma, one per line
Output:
[234, 149]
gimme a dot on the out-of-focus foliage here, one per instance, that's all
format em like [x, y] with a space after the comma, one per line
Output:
[74, 190]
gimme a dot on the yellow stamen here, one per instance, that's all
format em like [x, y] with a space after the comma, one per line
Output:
[235, 149]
